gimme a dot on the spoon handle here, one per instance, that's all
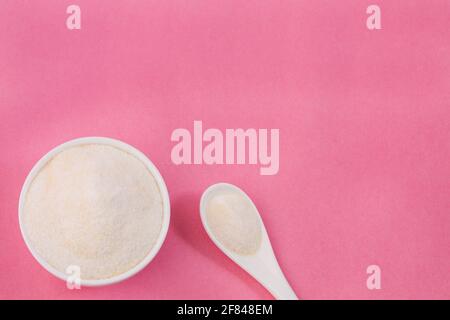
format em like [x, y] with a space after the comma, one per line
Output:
[269, 274]
[281, 289]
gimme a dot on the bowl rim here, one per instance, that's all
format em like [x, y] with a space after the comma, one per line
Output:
[121, 146]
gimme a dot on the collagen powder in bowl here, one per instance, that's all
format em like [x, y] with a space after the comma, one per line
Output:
[94, 204]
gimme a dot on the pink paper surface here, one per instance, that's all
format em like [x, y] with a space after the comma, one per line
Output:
[364, 119]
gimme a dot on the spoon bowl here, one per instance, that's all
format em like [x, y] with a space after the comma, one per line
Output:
[261, 262]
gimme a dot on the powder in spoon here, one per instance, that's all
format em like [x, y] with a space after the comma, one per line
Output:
[96, 207]
[234, 222]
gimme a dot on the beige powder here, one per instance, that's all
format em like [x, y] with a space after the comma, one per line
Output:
[96, 207]
[234, 222]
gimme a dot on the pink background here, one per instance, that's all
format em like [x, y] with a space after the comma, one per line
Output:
[364, 120]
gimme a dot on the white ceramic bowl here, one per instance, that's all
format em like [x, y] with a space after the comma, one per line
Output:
[122, 146]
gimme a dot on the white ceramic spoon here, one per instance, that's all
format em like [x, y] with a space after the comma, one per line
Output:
[261, 264]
